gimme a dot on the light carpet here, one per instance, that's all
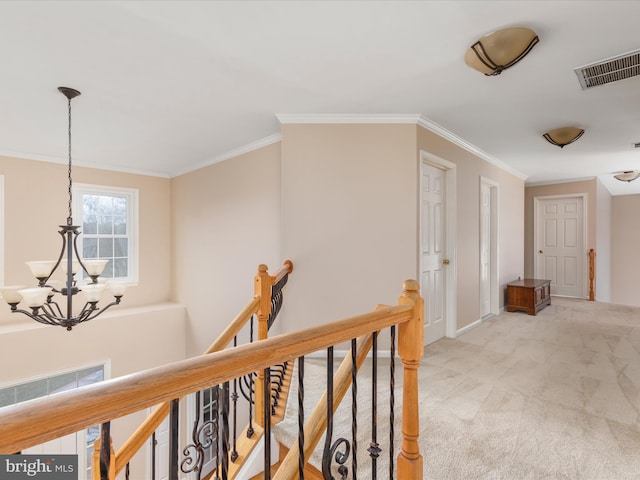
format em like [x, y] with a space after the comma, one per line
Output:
[552, 396]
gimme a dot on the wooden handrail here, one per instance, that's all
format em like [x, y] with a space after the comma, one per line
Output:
[40, 420]
[153, 421]
[284, 270]
[234, 327]
[129, 448]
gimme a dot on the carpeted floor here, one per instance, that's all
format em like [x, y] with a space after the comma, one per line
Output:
[555, 396]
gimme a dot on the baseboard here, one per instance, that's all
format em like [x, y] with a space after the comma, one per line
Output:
[471, 326]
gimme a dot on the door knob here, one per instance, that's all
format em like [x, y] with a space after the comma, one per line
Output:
[445, 261]
[540, 251]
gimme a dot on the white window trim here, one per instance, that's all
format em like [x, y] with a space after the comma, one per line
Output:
[132, 212]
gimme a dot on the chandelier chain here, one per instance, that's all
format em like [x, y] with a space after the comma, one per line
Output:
[69, 218]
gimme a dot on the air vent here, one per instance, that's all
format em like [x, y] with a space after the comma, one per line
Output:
[609, 70]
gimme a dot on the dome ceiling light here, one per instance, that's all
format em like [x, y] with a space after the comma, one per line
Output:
[500, 50]
[627, 176]
[563, 136]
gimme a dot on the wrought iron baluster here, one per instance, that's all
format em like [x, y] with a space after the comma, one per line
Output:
[105, 450]
[127, 471]
[267, 425]
[250, 430]
[301, 418]
[331, 450]
[225, 430]
[374, 448]
[173, 439]
[154, 443]
[354, 409]
[277, 297]
[234, 398]
[392, 399]
[216, 430]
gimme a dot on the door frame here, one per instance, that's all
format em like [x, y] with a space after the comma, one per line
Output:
[536, 246]
[494, 278]
[449, 169]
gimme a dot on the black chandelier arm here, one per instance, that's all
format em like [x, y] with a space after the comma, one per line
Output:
[49, 316]
[40, 318]
[52, 312]
[85, 316]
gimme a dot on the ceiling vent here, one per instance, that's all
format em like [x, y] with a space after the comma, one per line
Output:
[609, 70]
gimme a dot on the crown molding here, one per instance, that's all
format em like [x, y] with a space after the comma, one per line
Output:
[250, 147]
[424, 122]
[559, 181]
[416, 119]
[53, 159]
[322, 118]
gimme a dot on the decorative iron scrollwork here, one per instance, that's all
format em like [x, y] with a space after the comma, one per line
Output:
[202, 438]
[340, 457]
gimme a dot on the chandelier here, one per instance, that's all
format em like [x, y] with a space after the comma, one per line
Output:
[42, 301]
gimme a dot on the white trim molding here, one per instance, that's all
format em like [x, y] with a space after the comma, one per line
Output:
[410, 118]
[348, 118]
[456, 140]
[471, 326]
[250, 147]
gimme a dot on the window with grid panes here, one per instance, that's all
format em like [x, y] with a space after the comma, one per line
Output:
[108, 223]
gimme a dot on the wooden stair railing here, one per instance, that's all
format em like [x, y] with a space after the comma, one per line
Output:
[260, 304]
[37, 421]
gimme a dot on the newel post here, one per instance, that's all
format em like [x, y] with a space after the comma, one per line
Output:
[262, 289]
[410, 349]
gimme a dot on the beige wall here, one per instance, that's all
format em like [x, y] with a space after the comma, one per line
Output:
[226, 221]
[469, 170]
[588, 186]
[350, 218]
[625, 238]
[349, 211]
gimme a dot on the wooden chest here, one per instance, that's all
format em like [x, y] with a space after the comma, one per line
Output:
[529, 295]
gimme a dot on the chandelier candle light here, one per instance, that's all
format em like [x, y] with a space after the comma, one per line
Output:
[40, 299]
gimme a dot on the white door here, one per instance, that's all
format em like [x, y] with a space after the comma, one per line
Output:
[560, 253]
[162, 455]
[433, 251]
[485, 250]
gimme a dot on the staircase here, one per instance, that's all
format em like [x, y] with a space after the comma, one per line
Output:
[34, 422]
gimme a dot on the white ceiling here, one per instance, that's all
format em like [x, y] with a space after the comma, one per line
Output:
[170, 86]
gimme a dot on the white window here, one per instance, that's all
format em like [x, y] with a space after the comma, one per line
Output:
[108, 220]
[81, 442]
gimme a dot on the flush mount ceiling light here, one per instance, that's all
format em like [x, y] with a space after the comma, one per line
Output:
[563, 136]
[500, 50]
[627, 176]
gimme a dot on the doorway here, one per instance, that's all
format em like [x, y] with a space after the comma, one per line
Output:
[489, 283]
[437, 246]
[559, 247]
